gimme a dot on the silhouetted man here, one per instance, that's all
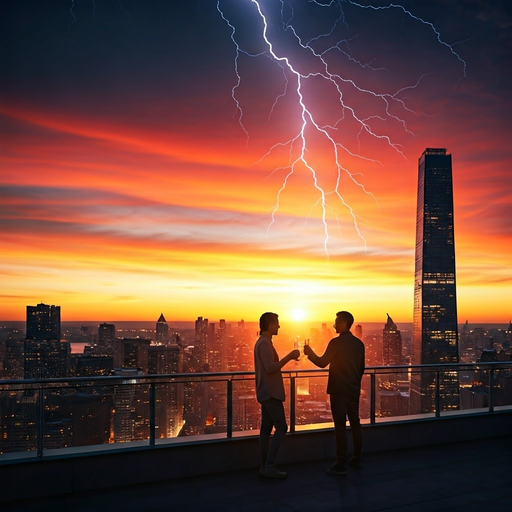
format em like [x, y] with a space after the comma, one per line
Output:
[270, 394]
[345, 355]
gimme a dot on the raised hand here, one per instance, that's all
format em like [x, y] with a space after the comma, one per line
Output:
[295, 354]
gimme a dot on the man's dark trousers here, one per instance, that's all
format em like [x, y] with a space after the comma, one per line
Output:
[272, 415]
[341, 407]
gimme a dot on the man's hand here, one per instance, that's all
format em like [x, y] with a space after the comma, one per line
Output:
[294, 354]
[308, 350]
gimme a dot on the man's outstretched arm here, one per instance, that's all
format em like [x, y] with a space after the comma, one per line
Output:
[320, 361]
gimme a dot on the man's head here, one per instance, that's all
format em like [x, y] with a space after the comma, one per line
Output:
[269, 322]
[344, 321]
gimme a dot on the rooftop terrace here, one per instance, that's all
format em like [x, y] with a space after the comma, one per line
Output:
[466, 476]
[445, 460]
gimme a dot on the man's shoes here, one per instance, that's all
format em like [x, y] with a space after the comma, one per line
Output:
[337, 469]
[355, 462]
[272, 472]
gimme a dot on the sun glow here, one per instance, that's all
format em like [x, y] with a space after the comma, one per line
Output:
[298, 314]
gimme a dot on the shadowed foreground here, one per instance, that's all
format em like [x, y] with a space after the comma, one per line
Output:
[467, 476]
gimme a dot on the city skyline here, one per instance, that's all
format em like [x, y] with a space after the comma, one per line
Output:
[127, 187]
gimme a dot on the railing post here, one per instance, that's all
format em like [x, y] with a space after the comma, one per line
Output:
[292, 403]
[372, 398]
[152, 420]
[491, 390]
[438, 396]
[40, 422]
[230, 409]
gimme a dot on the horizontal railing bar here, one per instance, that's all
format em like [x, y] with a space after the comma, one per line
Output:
[495, 365]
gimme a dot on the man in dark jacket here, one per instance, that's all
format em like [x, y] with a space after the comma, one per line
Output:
[345, 355]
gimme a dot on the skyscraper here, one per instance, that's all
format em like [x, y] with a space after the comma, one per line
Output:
[43, 322]
[200, 344]
[435, 305]
[46, 356]
[391, 343]
[169, 396]
[106, 335]
[162, 331]
[132, 353]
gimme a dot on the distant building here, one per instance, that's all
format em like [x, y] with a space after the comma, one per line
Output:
[18, 420]
[15, 358]
[169, 396]
[46, 359]
[200, 351]
[131, 408]
[132, 353]
[489, 355]
[435, 305]
[508, 332]
[163, 360]
[213, 349]
[162, 331]
[43, 322]
[391, 343]
[106, 335]
[393, 403]
[93, 365]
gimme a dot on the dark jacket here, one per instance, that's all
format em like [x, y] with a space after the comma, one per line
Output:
[345, 355]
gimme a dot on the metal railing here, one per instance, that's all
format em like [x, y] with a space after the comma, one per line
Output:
[37, 392]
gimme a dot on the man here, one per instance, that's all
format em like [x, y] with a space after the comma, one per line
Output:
[270, 394]
[345, 355]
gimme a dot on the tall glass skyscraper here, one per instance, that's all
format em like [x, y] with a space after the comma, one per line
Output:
[435, 301]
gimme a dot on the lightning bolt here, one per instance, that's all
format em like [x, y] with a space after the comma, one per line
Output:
[71, 10]
[74, 20]
[123, 9]
[319, 68]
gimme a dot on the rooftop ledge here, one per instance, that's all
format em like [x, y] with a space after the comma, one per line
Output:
[91, 468]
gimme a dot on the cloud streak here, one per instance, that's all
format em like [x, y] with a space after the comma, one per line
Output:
[125, 178]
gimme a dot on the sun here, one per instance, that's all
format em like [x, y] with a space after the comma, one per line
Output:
[298, 314]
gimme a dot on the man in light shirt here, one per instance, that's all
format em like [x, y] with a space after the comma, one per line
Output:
[270, 393]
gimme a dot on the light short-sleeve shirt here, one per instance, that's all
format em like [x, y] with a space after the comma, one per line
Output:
[269, 380]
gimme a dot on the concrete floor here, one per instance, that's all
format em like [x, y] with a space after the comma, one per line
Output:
[465, 477]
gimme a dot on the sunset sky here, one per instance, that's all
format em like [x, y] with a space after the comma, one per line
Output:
[131, 184]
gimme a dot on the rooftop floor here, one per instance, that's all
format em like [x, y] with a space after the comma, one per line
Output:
[465, 477]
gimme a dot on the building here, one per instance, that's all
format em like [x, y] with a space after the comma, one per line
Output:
[14, 358]
[200, 352]
[106, 335]
[391, 343]
[43, 322]
[46, 356]
[131, 408]
[46, 359]
[88, 365]
[435, 302]
[162, 331]
[132, 353]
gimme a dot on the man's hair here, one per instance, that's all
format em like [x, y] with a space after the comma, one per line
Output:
[266, 319]
[347, 317]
